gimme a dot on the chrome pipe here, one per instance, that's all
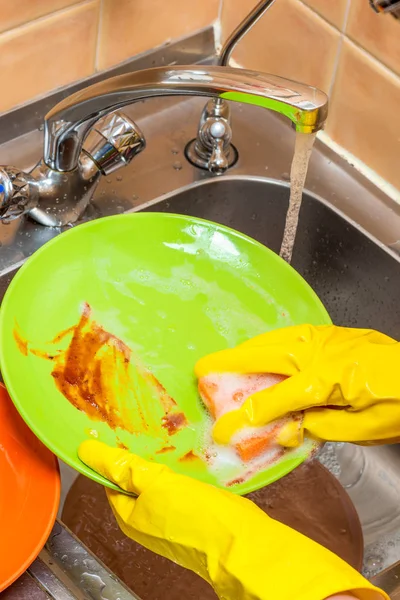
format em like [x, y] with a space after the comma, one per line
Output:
[241, 30]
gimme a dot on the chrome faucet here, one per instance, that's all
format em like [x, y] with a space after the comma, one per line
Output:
[212, 149]
[85, 138]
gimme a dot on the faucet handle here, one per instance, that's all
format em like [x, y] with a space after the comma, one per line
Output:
[113, 142]
[212, 149]
[219, 136]
[18, 193]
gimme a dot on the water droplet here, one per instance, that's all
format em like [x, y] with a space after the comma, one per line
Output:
[119, 178]
[174, 150]
[108, 180]
[177, 165]
[373, 561]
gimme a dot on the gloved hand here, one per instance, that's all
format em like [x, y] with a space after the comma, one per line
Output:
[224, 538]
[346, 380]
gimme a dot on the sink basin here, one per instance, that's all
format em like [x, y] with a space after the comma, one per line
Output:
[357, 279]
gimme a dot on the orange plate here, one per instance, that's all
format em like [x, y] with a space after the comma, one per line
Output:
[29, 493]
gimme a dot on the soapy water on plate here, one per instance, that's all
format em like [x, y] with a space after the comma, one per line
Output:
[251, 449]
[227, 467]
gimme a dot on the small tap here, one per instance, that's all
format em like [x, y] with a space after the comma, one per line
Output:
[204, 151]
[212, 149]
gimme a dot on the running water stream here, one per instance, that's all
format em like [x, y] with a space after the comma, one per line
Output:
[302, 152]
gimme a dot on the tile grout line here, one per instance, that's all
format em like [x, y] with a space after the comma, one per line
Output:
[56, 13]
[377, 63]
[368, 172]
[99, 25]
[339, 48]
[317, 14]
[344, 36]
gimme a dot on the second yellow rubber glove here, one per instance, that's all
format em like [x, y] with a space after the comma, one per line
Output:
[226, 539]
[346, 380]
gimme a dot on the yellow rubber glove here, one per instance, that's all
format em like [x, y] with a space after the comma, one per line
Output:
[346, 380]
[226, 539]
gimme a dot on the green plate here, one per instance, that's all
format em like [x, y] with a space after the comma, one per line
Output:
[173, 288]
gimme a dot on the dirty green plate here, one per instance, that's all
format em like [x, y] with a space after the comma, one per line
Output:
[172, 288]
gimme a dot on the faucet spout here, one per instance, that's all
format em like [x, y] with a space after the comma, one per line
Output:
[69, 122]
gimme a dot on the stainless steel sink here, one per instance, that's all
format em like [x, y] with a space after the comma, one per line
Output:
[346, 248]
[358, 281]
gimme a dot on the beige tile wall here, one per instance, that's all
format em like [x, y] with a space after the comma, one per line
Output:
[346, 49]
[340, 46]
[46, 44]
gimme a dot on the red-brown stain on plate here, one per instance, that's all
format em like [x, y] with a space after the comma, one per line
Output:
[21, 343]
[236, 481]
[189, 456]
[173, 422]
[166, 449]
[122, 445]
[97, 373]
[92, 373]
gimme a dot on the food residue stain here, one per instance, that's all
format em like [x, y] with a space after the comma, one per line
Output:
[174, 422]
[166, 449]
[189, 456]
[21, 343]
[99, 375]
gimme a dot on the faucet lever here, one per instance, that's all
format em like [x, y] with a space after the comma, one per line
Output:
[54, 198]
[218, 162]
[113, 142]
[212, 149]
[18, 193]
